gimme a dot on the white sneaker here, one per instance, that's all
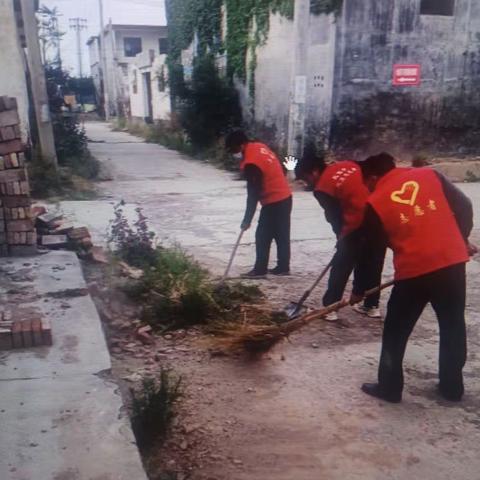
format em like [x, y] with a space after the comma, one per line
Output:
[331, 317]
[372, 312]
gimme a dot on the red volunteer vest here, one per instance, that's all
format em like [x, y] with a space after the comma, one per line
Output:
[420, 226]
[275, 186]
[344, 181]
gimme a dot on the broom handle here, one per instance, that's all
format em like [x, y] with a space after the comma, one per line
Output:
[312, 288]
[232, 256]
[309, 317]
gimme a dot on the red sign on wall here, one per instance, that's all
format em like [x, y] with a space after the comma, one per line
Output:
[407, 75]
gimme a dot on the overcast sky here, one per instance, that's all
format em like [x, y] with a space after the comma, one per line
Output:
[131, 12]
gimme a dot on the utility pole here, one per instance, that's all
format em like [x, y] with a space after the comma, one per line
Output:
[58, 37]
[79, 24]
[38, 83]
[103, 55]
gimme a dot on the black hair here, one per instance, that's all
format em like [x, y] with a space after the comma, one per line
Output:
[234, 140]
[311, 160]
[377, 165]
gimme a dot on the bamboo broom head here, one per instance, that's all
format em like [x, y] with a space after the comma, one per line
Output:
[259, 339]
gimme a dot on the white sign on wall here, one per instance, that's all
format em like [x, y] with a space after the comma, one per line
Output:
[300, 89]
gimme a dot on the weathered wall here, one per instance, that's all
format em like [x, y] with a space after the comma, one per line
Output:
[137, 93]
[272, 82]
[95, 66]
[320, 76]
[117, 62]
[12, 65]
[372, 36]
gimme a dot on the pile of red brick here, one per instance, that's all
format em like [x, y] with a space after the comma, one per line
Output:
[17, 232]
[23, 333]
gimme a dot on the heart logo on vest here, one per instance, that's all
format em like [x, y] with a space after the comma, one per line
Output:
[407, 195]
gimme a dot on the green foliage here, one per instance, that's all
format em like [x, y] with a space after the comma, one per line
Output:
[71, 143]
[132, 245]
[70, 137]
[175, 291]
[187, 17]
[471, 177]
[45, 180]
[210, 105]
[319, 7]
[248, 24]
[153, 407]
[168, 133]
[120, 124]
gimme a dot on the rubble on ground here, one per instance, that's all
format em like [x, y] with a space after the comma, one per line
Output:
[54, 232]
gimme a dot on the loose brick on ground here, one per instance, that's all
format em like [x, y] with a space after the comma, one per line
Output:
[17, 338]
[47, 332]
[37, 332]
[27, 333]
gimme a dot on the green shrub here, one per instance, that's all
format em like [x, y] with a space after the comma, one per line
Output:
[132, 245]
[45, 180]
[119, 124]
[175, 291]
[85, 166]
[210, 105]
[470, 177]
[153, 407]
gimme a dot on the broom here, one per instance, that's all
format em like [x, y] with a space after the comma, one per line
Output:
[258, 339]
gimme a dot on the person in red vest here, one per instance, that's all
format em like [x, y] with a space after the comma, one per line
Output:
[340, 191]
[267, 184]
[426, 221]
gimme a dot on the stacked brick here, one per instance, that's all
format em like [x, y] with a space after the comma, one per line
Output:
[23, 333]
[17, 231]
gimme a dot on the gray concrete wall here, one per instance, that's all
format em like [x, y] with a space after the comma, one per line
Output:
[273, 81]
[372, 36]
[12, 65]
[320, 76]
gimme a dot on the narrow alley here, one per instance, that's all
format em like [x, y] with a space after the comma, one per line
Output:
[298, 413]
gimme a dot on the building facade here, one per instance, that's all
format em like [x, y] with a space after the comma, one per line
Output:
[366, 75]
[128, 49]
[13, 61]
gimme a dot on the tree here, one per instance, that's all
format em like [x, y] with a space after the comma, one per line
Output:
[50, 34]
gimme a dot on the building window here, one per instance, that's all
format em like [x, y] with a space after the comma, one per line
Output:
[132, 46]
[437, 7]
[163, 45]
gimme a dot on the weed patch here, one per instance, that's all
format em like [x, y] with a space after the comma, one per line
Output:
[175, 291]
[470, 177]
[153, 407]
[132, 245]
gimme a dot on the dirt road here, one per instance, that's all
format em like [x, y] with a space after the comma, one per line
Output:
[298, 414]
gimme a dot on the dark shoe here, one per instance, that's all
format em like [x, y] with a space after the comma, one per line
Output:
[374, 390]
[451, 397]
[254, 275]
[279, 271]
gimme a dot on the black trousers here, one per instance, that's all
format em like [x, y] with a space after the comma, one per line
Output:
[445, 290]
[345, 261]
[274, 224]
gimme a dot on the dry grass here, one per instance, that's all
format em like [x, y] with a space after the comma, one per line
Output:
[257, 338]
